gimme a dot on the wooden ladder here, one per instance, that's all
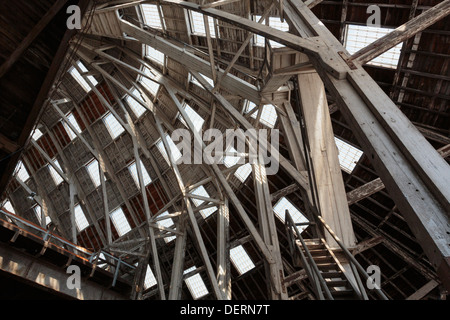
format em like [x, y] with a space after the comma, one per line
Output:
[330, 268]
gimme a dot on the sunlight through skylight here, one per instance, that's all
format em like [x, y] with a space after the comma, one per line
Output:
[195, 284]
[80, 219]
[241, 259]
[201, 191]
[358, 37]
[348, 155]
[280, 210]
[120, 221]
[115, 129]
[134, 173]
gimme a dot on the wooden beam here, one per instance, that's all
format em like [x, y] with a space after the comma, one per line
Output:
[217, 3]
[191, 61]
[8, 145]
[405, 31]
[193, 220]
[414, 174]
[284, 192]
[223, 250]
[312, 46]
[367, 244]
[31, 36]
[364, 191]
[424, 290]
[241, 49]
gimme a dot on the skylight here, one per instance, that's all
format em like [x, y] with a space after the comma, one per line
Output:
[151, 16]
[195, 81]
[280, 210]
[268, 113]
[176, 154]
[79, 78]
[196, 119]
[22, 172]
[120, 221]
[74, 123]
[36, 134]
[243, 171]
[137, 108]
[150, 279]
[198, 24]
[94, 172]
[38, 211]
[80, 219]
[151, 86]
[274, 22]
[55, 175]
[230, 160]
[358, 37]
[241, 259]
[115, 129]
[154, 54]
[168, 223]
[201, 191]
[195, 284]
[145, 176]
[348, 155]
[8, 206]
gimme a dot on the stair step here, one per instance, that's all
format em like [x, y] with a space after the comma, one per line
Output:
[332, 274]
[344, 292]
[337, 283]
[323, 259]
[327, 265]
[312, 246]
[322, 252]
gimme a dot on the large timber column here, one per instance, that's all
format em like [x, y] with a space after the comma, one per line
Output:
[324, 156]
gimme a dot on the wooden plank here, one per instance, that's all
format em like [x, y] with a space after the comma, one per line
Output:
[364, 191]
[424, 290]
[403, 32]
[332, 199]
[367, 244]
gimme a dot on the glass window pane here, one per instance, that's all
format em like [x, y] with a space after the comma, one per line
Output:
[348, 155]
[198, 24]
[55, 175]
[195, 284]
[80, 219]
[151, 16]
[134, 173]
[120, 221]
[280, 210]
[22, 172]
[115, 129]
[201, 191]
[94, 172]
[79, 78]
[358, 37]
[241, 259]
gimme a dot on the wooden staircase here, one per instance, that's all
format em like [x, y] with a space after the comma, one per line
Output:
[330, 268]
